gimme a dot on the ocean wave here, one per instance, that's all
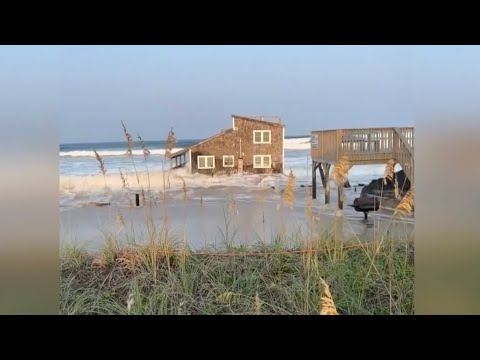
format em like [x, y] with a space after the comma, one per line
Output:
[95, 183]
[297, 144]
[90, 153]
[290, 144]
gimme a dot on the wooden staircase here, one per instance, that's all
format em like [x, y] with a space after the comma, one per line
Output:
[362, 146]
[403, 152]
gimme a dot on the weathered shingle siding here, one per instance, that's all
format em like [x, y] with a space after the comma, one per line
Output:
[229, 144]
[226, 144]
[275, 148]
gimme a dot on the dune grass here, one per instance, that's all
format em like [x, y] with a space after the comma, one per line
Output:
[270, 279]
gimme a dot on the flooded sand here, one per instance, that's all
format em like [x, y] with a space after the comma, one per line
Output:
[243, 216]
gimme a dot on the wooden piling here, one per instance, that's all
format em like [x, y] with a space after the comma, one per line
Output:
[327, 183]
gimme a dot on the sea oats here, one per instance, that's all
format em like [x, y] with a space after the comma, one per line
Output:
[124, 180]
[100, 162]
[288, 195]
[340, 172]
[171, 142]
[327, 306]
[146, 152]
[389, 171]
[129, 140]
[407, 204]
[184, 189]
[120, 220]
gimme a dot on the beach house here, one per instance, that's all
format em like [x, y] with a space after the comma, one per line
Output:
[252, 145]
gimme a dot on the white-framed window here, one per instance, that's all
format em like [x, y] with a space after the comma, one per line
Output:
[262, 161]
[228, 161]
[262, 136]
[206, 161]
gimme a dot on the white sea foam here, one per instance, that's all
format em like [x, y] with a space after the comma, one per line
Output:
[297, 144]
[84, 190]
[301, 168]
[90, 153]
[289, 144]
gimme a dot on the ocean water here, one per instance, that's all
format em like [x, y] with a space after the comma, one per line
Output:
[78, 160]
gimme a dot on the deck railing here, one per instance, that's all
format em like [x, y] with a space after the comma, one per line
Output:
[366, 146]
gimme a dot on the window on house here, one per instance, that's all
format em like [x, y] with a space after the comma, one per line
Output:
[262, 136]
[262, 161]
[228, 160]
[206, 162]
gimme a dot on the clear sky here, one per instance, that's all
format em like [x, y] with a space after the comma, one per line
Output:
[195, 89]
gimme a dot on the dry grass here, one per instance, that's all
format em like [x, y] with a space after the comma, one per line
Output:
[171, 142]
[391, 176]
[340, 172]
[120, 220]
[146, 152]
[130, 150]
[232, 206]
[406, 206]
[288, 194]
[257, 307]
[129, 140]
[99, 262]
[124, 180]
[327, 305]
[101, 165]
[389, 171]
[226, 298]
[144, 200]
[132, 259]
[396, 188]
[184, 190]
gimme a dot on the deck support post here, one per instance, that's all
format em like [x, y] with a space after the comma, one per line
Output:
[326, 182]
[314, 180]
[322, 174]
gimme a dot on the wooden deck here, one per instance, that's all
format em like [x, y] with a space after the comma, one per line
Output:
[362, 146]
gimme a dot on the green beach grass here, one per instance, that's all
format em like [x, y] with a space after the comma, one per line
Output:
[365, 278]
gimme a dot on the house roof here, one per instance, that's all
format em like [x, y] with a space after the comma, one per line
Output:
[183, 151]
[261, 120]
